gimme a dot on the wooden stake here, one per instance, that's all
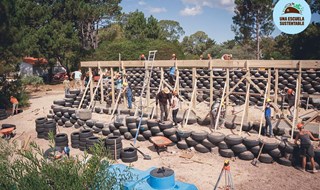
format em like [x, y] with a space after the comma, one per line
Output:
[211, 83]
[227, 89]
[220, 107]
[276, 82]
[95, 91]
[263, 108]
[295, 110]
[245, 110]
[91, 84]
[101, 83]
[112, 86]
[192, 96]
[194, 79]
[84, 94]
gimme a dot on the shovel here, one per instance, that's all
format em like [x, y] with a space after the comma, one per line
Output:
[145, 156]
[255, 160]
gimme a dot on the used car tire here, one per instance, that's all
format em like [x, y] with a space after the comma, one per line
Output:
[227, 153]
[284, 161]
[239, 148]
[113, 140]
[216, 137]
[191, 142]
[265, 158]
[200, 148]
[251, 141]
[233, 139]
[182, 145]
[246, 155]
[199, 136]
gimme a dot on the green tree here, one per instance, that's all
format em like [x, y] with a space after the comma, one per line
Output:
[135, 25]
[170, 30]
[252, 20]
[196, 43]
[152, 28]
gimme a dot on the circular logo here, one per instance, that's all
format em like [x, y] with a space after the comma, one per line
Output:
[292, 16]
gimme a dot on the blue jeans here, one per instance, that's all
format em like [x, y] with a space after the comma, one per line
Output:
[67, 91]
[268, 123]
[129, 102]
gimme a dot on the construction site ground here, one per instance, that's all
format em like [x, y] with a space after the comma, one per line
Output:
[199, 169]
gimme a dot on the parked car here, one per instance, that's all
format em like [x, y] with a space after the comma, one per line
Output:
[59, 77]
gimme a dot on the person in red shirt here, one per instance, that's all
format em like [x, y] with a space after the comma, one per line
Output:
[15, 103]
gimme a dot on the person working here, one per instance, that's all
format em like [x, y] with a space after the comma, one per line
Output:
[14, 101]
[267, 116]
[226, 57]
[162, 98]
[291, 101]
[142, 57]
[128, 92]
[66, 84]
[306, 147]
[77, 78]
[175, 106]
[66, 150]
[172, 71]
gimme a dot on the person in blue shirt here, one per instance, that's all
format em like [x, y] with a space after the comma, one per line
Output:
[267, 116]
[172, 71]
[128, 92]
[66, 150]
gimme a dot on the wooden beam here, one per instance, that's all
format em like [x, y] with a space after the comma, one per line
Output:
[220, 107]
[245, 112]
[227, 89]
[253, 84]
[276, 82]
[84, 93]
[194, 79]
[101, 85]
[235, 86]
[211, 83]
[218, 63]
[91, 84]
[263, 109]
[95, 91]
[269, 83]
[295, 109]
[112, 86]
[192, 97]
[147, 73]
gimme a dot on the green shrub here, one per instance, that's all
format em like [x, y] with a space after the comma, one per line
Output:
[35, 81]
[14, 88]
[28, 169]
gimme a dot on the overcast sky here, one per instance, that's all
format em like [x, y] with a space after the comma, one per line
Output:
[214, 17]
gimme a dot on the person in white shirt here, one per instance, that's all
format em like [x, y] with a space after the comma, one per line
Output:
[77, 78]
[175, 106]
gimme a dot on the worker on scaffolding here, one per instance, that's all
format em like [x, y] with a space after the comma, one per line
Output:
[172, 71]
[142, 57]
[162, 98]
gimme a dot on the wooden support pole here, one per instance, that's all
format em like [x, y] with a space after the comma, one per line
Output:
[91, 84]
[263, 108]
[269, 82]
[245, 114]
[116, 104]
[101, 83]
[227, 89]
[235, 86]
[112, 86]
[84, 93]
[148, 84]
[295, 108]
[220, 107]
[276, 82]
[211, 84]
[194, 78]
[95, 91]
[192, 97]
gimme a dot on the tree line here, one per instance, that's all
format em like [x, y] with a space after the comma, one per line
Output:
[68, 31]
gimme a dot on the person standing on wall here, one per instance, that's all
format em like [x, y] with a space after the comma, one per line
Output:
[175, 107]
[77, 78]
[291, 101]
[14, 101]
[162, 98]
[306, 148]
[267, 116]
[172, 70]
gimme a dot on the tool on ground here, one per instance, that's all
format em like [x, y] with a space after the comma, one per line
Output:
[226, 170]
[160, 143]
[145, 156]
[151, 57]
[255, 160]
[7, 133]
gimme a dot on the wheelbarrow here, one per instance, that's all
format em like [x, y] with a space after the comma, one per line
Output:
[160, 143]
[7, 133]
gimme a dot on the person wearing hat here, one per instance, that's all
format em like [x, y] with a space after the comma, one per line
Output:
[14, 101]
[306, 147]
[291, 100]
[267, 116]
[175, 106]
[66, 84]
[162, 98]
[128, 92]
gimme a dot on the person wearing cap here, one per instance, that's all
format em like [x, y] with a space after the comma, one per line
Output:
[172, 71]
[175, 106]
[306, 147]
[128, 92]
[66, 83]
[162, 98]
[14, 101]
[267, 116]
[291, 100]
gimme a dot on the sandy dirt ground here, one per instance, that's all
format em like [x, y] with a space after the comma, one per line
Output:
[202, 169]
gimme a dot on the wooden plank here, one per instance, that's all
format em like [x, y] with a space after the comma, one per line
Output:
[218, 63]
[245, 112]
[84, 94]
[192, 97]
[91, 84]
[276, 82]
[194, 74]
[112, 86]
[220, 107]
[295, 108]
[148, 85]
[227, 89]
[263, 108]
[95, 91]
[253, 84]
[211, 83]
[235, 86]
[101, 85]
[269, 82]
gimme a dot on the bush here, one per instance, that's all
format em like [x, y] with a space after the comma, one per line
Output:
[14, 88]
[28, 169]
[35, 81]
